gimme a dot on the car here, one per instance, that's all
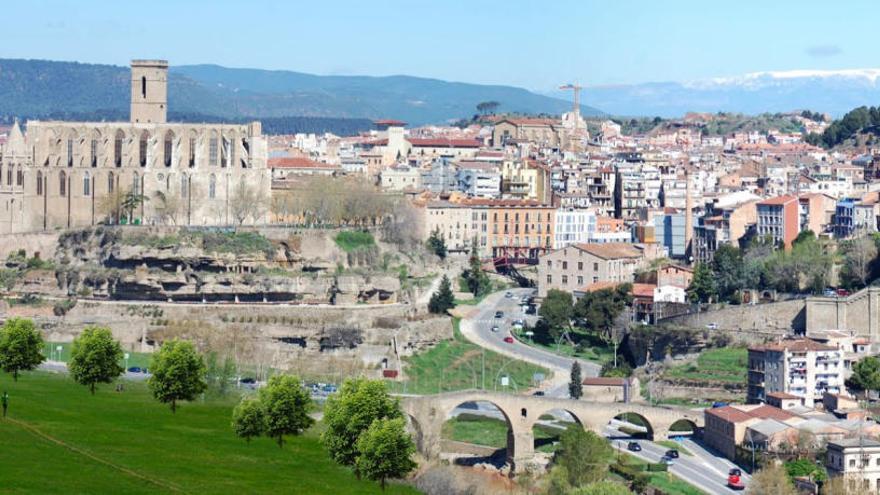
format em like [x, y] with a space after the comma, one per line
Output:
[842, 292]
[829, 292]
[508, 294]
[539, 393]
[634, 447]
[135, 369]
[532, 309]
[499, 314]
[248, 380]
[508, 339]
[495, 328]
[667, 460]
[712, 326]
[672, 453]
[716, 405]
[734, 479]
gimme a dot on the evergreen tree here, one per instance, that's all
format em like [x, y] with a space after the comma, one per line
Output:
[702, 287]
[576, 386]
[442, 300]
[437, 244]
[477, 280]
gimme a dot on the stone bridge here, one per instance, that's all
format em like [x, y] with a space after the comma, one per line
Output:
[428, 413]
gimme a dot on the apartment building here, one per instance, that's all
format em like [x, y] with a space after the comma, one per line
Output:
[726, 221]
[478, 179]
[401, 178]
[458, 223]
[816, 212]
[576, 266]
[526, 179]
[857, 460]
[725, 427]
[800, 367]
[778, 219]
[573, 226]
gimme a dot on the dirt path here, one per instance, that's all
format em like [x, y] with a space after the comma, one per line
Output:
[167, 485]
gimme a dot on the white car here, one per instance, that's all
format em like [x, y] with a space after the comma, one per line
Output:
[495, 328]
[712, 326]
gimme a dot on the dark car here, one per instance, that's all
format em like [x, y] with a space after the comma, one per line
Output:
[667, 460]
[135, 369]
[248, 380]
[538, 393]
[499, 314]
[672, 453]
[633, 447]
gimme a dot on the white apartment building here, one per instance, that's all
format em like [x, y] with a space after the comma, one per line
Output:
[801, 367]
[477, 179]
[573, 226]
[858, 461]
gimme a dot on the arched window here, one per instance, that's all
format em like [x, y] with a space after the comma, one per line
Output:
[93, 153]
[135, 184]
[192, 150]
[184, 186]
[69, 152]
[110, 182]
[39, 183]
[87, 184]
[212, 187]
[212, 149]
[62, 184]
[8, 176]
[169, 147]
[19, 177]
[117, 148]
[142, 149]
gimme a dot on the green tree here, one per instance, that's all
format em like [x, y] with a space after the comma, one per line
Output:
[602, 488]
[477, 280]
[385, 451]
[557, 308]
[95, 357]
[442, 300]
[437, 244]
[20, 346]
[598, 310]
[866, 374]
[584, 455]
[576, 385]
[352, 410]
[702, 288]
[178, 373]
[286, 406]
[248, 419]
[729, 269]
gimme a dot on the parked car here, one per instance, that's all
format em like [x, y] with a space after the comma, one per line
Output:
[519, 323]
[842, 292]
[634, 447]
[538, 393]
[135, 369]
[248, 380]
[495, 328]
[508, 294]
[672, 453]
[508, 339]
[712, 326]
[499, 314]
[829, 292]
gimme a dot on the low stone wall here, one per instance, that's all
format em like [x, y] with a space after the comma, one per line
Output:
[768, 320]
[42, 243]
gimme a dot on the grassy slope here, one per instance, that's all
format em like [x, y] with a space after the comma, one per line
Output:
[729, 364]
[194, 449]
[457, 364]
[597, 351]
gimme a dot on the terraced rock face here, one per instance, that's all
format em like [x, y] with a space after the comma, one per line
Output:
[162, 264]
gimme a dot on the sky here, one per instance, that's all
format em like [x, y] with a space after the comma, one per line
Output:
[533, 44]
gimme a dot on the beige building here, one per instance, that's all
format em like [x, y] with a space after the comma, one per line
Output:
[458, 223]
[857, 460]
[526, 179]
[401, 178]
[547, 132]
[76, 174]
[579, 265]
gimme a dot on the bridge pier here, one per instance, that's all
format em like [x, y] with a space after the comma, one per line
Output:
[520, 447]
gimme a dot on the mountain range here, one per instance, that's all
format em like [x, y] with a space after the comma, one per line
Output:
[40, 88]
[833, 92]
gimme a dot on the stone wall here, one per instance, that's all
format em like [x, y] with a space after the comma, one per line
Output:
[857, 312]
[768, 320]
[42, 243]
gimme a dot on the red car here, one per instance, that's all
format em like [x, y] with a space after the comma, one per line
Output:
[508, 339]
[734, 479]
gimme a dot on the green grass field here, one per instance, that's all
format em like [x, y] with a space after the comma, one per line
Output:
[60, 439]
[139, 359]
[457, 364]
[665, 481]
[491, 432]
[597, 350]
[352, 240]
[729, 365]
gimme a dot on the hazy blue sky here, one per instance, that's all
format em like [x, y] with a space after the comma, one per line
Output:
[535, 44]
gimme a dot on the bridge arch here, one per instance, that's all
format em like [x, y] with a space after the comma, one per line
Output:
[549, 426]
[477, 431]
[632, 424]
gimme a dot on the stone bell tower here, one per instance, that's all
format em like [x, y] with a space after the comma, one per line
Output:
[149, 91]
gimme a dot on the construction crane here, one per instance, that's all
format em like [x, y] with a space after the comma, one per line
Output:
[576, 89]
[576, 115]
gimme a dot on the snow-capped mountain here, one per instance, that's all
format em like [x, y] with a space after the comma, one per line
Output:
[830, 91]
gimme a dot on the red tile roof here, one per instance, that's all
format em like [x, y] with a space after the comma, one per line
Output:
[611, 250]
[444, 143]
[782, 395]
[729, 413]
[643, 290]
[779, 200]
[794, 345]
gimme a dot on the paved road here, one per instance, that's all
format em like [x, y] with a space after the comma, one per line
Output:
[693, 469]
[477, 328]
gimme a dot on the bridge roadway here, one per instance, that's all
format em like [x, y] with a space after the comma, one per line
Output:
[427, 414]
